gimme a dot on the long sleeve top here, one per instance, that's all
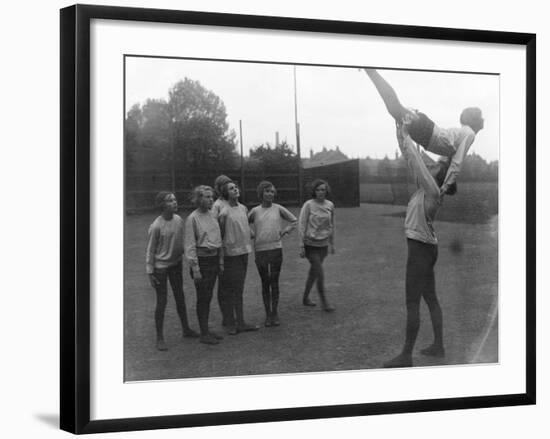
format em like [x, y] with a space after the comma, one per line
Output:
[218, 205]
[267, 223]
[235, 230]
[164, 244]
[453, 142]
[425, 202]
[202, 237]
[316, 223]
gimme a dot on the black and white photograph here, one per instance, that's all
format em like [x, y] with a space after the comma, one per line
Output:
[296, 218]
[275, 219]
[270, 218]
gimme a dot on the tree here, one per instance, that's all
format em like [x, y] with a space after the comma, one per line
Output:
[190, 130]
[475, 168]
[278, 158]
[132, 135]
[199, 127]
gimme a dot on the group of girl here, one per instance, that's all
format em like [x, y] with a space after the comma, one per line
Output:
[220, 235]
[217, 238]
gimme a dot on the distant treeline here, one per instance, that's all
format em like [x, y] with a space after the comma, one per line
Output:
[474, 169]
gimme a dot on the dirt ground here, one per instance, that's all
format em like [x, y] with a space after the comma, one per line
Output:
[365, 281]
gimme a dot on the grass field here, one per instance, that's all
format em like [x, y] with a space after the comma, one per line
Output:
[365, 282]
[475, 203]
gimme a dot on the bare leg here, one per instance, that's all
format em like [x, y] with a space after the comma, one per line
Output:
[388, 95]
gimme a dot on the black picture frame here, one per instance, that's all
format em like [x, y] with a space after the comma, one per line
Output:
[75, 217]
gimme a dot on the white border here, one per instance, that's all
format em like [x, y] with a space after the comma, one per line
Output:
[113, 399]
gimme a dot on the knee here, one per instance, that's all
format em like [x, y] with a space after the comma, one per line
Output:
[432, 302]
[413, 305]
[161, 301]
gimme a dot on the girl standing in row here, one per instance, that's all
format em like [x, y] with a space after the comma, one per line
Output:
[203, 251]
[220, 202]
[316, 228]
[266, 221]
[235, 231]
[163, 263]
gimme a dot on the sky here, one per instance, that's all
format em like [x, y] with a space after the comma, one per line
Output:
[336, 106]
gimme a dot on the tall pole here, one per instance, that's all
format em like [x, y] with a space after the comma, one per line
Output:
[298, 151]
[173, 167]
[242, 161]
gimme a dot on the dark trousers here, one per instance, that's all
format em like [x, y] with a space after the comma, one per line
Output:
[209, 267]
[221, 299]
[316, 256]
[269, 264]
[420, 283]
[174, 275]
[232, 279]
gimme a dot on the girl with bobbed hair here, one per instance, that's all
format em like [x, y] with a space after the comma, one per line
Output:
[218, 205]
[266, 220]
[236, 239]
[163, 263]
[316, 228]
[203, 252]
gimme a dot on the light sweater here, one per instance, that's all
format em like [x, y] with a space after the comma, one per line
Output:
[267, 223]
[218, 205]
[454, 143]
[202, 236]
[164, 244]
[235, 230]
[425, 202]
[316, 223]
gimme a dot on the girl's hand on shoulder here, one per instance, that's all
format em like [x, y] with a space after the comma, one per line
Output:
[302, 252]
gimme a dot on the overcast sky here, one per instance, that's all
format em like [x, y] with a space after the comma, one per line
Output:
[336, 105]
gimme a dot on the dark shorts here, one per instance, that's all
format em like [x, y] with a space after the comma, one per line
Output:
[312, 252]
[265, 257]
[421, 129]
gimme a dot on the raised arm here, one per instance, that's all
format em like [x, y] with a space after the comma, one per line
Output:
[415, 162]
[456, 161]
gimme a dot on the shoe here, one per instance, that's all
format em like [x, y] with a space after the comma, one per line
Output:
[161, 345]
[433, 351]
[268, 322]
[231, 330]
[246, 328]
[189, 333]
[275, 320]
[307, 302]
[215, 335]
[208, 339]
[402, 360]
[328, 308]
